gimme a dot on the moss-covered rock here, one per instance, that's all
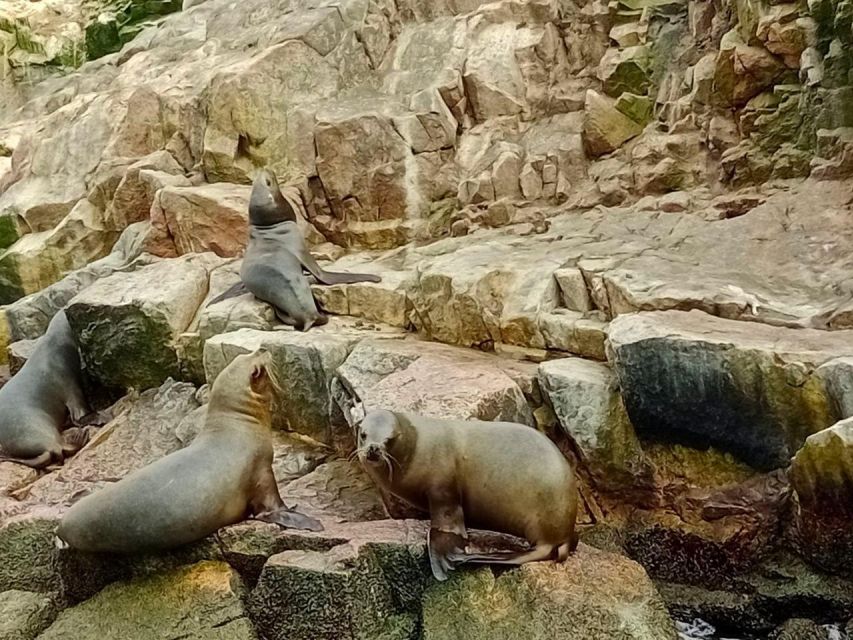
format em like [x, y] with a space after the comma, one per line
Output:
[639, 108]
[27, 554]
[24, 614]
[586, 402]
[625, 71]
[341, 594]
[593, 595]
[822, 476]
[128, 323]
[197, 602]
[745, 388]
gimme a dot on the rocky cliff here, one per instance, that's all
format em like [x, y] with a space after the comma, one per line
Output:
[625, 224]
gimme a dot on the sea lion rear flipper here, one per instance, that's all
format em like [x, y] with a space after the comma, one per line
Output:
[331, 277]
[290, 519]
[232, 292]
[74, 439]
[540, 552]
[39, 462]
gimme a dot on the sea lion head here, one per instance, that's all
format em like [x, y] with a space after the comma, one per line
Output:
[267, 206]
[246, 385]
[378, 434]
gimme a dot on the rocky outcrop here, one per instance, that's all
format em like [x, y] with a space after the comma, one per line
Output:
[560, 601]
[742, 387]
[200, 601]
[546, 189]
[127, 324]
[823, 481]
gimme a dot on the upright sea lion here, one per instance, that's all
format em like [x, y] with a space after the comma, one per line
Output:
[276, 255]
[37, 402]
[221, 478]
[498, 476]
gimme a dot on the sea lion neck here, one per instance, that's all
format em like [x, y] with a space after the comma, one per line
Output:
[254, 409]
[406, 441]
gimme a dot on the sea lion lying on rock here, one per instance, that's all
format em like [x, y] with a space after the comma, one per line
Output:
[499, 476]
[273, 264]
[38, 401]
[221, 478]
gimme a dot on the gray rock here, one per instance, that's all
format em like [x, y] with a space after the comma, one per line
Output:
[128, 323]
[585, 398]
[745, 388]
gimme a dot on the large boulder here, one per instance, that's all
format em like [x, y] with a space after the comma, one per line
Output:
[746, 388]
[743, 71]
[303, 365]
[439, 381]
[585, 399]
[593, 595]
[128, 323]
[605, 127]
[822, 477]
[199, 601]
[211, 217]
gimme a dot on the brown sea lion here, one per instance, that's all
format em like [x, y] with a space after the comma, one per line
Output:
[498, 476]
[224, 476]
[38, 401]
[275, 257]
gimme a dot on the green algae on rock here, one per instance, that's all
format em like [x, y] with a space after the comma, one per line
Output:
[198, 602]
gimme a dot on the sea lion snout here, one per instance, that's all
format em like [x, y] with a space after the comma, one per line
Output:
[373, 453]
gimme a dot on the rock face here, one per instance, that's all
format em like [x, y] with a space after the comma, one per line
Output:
[742, 387]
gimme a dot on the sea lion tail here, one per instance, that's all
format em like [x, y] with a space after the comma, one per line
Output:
[233, 291]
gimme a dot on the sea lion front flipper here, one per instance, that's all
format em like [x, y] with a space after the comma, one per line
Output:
[78, 408]
[444, 548]
[447, 536]
[289, 519]
[267, 506]
[232, 292]
[330, 277]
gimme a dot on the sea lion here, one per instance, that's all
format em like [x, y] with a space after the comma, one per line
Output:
[276, 255]
[498, 476]
[37, 402]
[221, 478]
